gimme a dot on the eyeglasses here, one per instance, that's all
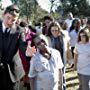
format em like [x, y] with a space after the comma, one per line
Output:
[14, 10]
[54, 30]
[82, 35]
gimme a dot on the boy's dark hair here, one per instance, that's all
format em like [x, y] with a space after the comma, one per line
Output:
[23, 24]
[12, 9]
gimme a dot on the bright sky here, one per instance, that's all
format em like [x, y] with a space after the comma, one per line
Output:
[6, 3]
[45, 4]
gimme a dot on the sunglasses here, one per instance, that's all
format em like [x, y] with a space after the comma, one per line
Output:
[54, 30]
[13, 10]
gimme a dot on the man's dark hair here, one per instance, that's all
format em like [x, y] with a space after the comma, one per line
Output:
[12, 9]
[23, 24]
[48, 18]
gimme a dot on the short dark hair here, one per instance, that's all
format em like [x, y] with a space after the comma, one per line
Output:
[12, 9]
[23, 24]
[48, 18]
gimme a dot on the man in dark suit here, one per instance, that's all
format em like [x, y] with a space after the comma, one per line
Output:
[11, 39]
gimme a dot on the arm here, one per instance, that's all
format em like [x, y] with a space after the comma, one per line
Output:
[75, 56]
[32, 81]
[75, 60]
[68, 53]
[60, 80]
[60, 66]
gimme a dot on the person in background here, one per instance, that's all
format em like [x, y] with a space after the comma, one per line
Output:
[67, 39]
[38, 27]
[32, 29]
[47, 21]
[26, 59]
[69, 19]
[83, 23]
[82, 60]
[45, 66]
[73, 34]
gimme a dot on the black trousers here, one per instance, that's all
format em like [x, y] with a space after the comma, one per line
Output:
[5, 81]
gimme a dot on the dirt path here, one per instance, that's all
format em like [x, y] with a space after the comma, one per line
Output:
[71, 79]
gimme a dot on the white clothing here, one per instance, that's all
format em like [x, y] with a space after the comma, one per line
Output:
[73, 38]
[66, 38]
[69, 22]
[46, 71]
[83, 63]
[38, 30]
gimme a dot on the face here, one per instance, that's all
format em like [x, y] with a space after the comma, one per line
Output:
[40, 44]
[8, 20]
[83, 37]
[55, 31]
[47, 22]
[70, 16]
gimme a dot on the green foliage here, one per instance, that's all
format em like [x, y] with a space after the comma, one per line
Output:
[30, 9]
[77, 7]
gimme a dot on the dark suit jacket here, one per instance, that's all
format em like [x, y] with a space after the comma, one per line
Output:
[15, 42]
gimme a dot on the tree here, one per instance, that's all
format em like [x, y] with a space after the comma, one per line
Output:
[30, 9]
[77, 7]
[27, 7]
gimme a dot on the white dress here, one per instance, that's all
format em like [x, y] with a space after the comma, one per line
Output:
[83, 64]
[46, 71]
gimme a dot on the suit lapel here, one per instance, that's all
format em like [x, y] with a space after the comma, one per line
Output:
[11, 37]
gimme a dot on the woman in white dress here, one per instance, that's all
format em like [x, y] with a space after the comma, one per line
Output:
[82, 60]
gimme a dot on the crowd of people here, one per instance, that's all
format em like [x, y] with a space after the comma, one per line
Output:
[35, 58]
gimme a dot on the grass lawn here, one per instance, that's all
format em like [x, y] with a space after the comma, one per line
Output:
[71, 79]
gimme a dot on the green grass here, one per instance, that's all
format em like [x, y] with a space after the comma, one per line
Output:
[72, 82]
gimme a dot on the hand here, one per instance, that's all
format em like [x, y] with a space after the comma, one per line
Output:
[30, 51]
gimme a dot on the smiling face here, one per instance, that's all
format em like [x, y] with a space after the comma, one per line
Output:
[55, 31]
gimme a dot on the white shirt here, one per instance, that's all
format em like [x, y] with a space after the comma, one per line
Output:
[73, 38]
[4, 28]
[45, 71]
[83, 63]
[69, 22]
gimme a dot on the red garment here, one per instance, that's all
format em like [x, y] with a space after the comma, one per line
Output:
[25, 63]
[28, 38]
